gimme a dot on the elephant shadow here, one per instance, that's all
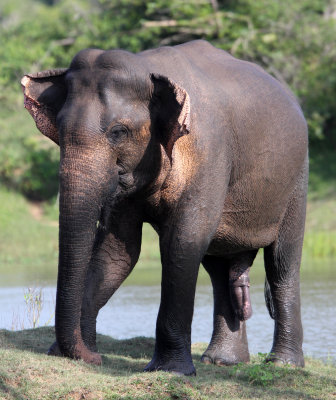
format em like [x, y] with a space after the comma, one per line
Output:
[120, 357]
[38, 340]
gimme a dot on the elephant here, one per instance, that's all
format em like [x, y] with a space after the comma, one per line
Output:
[212, 151]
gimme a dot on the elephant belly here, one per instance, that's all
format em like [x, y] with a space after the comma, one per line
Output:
[231, 240]
[241, 230]
[253, 210]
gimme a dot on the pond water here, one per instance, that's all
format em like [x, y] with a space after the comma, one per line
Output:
[133, 309]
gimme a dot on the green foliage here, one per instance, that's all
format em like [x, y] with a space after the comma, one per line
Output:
[259, 372]
[294, 41]
[40, 179]
[322, 170]
[28, 162]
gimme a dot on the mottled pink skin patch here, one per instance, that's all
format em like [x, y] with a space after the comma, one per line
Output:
[44, 120]
[183, 122]
[240, 292]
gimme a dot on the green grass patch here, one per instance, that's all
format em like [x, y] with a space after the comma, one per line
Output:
[29, 244]
[320, 233]
[320, 244]
[27, 373]
[29, 241]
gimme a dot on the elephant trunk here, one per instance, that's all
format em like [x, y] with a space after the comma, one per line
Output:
[81, 199]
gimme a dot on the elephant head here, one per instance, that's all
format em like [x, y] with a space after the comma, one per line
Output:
[111, 116]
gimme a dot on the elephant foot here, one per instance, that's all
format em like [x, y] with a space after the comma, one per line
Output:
[90, 343]
[89, 357]
[54, 350]
[81, 353]
[92, 347]
[88, 330]
[176, 367]
[281, 359]
[221, 357]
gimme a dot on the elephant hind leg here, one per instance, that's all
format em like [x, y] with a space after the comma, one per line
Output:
[268, 299]
[228, 343]
[282, 264]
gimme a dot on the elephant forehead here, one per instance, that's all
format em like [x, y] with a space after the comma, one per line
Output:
[85, 59]
[119, 60]
[97, 109]
[106, 60]
[108, 84]
[118, 70]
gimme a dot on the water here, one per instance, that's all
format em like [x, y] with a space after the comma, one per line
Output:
[133, 309]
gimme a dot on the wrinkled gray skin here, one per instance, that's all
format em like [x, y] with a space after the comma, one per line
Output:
[210, 150]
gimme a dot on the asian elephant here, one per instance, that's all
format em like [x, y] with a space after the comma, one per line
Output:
[212, 152]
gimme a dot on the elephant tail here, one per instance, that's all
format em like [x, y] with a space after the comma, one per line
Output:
[269, 299]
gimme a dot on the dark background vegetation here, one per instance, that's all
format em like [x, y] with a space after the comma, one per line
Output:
[293, 40]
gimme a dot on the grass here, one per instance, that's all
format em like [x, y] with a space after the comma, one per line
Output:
[27, 373]
[29, 240]
[28, 243]
[320, 234]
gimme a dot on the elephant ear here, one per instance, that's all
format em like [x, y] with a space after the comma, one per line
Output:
[44, 95]
[170, 111]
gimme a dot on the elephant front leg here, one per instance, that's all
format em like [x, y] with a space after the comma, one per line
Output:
[107, 272]
[180, 263]
[114, 257]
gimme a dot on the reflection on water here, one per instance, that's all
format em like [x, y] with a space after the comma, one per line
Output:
[133, 309]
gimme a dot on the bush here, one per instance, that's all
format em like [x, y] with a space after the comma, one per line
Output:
[28, 161]
[294, 41]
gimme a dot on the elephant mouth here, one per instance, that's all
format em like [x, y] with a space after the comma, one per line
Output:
[126, 182]
[123, 186]
[125, 178]
[121, 167]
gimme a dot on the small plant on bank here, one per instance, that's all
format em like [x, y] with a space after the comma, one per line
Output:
[259, 372]
[29, 317]
[34, 303]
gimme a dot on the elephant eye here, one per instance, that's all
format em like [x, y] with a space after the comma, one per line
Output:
[117, 133]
